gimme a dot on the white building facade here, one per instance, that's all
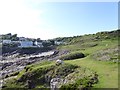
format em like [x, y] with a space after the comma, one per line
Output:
[39, 44]
[6, 41]
[26, 44]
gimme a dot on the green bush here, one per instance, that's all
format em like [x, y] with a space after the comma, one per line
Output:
[65, 69]
[69, 87]
[71, 56]
[40, 75]
[83, 83]
[15, 73]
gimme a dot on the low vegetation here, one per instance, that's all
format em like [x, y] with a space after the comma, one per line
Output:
[109, 54]
[71, 56]
[40, 75]
[92, 62]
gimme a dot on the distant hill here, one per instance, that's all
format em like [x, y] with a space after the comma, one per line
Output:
[88, 37]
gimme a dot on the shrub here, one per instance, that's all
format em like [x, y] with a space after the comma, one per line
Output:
[81, 84]
[71, 56]
[69, 87]
[109, 54]
[15, 73]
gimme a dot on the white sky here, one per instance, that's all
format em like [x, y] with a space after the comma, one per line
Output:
[17, 17]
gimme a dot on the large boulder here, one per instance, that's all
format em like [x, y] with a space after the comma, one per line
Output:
[59, 62]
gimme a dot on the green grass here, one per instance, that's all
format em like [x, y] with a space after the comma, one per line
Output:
[33, 67]
[79, 47]
[107, 71]
[38, 71]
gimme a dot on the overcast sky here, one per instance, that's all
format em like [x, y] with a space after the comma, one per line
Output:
[46, 20]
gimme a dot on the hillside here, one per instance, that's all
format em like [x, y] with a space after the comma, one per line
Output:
[92, 61]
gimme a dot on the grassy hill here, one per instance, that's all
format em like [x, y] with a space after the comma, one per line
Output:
[97, 69]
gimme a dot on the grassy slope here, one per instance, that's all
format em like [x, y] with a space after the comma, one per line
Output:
[62, 70]
[107, 71]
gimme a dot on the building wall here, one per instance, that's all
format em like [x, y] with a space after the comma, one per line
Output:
[26, 44]
[58, 43]
[39, 44]
[7, 41]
